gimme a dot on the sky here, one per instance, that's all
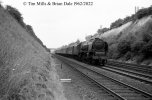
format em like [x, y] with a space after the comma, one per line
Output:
[58, 25]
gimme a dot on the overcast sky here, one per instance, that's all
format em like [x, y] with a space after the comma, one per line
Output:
[61, 25]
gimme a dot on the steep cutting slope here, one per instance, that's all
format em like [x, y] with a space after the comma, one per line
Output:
[136, 37]
[116, 31]
[25, 66]
[137, 28]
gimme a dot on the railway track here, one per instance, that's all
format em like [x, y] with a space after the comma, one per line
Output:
[117, 89]
[131, 71]
[140, 68]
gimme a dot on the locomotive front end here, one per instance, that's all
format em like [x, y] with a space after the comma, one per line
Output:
[100, 49]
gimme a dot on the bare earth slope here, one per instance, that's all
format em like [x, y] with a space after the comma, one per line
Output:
[25, 66]
[137, 29]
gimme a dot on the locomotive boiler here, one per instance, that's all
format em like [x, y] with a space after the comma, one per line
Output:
[94, 51]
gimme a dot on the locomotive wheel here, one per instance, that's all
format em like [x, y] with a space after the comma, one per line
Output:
[90, 60]
[106, 61]
[103, 62]
[97, 62]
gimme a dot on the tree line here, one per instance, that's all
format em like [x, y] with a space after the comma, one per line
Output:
[119, 22]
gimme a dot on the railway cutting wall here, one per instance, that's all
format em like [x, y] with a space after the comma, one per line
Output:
[26, 72]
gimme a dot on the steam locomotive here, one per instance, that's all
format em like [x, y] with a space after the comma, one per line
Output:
[93, 51]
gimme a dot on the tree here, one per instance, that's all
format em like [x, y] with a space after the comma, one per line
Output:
[0, 3]
[88, 37]
[78, 41]
[116, 24]
[144, 12]
[101, 31]
[16, 14]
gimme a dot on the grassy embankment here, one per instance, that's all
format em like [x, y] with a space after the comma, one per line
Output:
[25, 65]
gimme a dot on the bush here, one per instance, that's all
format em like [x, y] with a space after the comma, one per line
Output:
[128, 55]
[30, 30]
[0, 4]
[141, 13]
[101, 31]
[146, 37]
[124, 47]
[116, 24]
[140, 59]
[16, 14]
[144, 12]
[113, 53]
[147, 49]
[137, 46]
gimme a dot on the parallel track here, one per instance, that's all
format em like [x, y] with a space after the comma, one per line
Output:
[140, 68]
[131, 71]
[116, 88]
